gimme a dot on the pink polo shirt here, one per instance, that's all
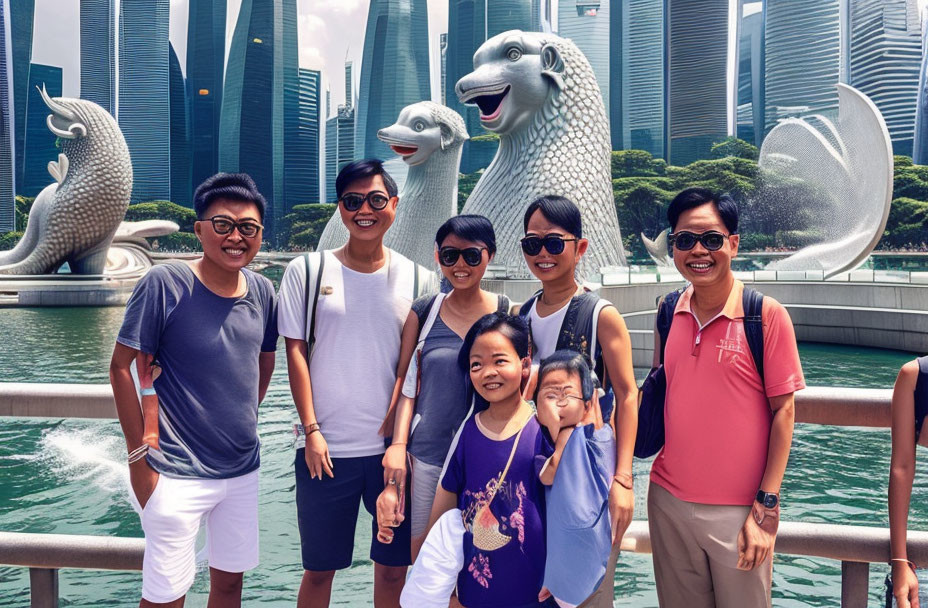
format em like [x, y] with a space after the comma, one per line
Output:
[717, 418]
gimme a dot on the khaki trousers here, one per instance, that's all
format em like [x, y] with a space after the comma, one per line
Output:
[695, 551]
[604, 595]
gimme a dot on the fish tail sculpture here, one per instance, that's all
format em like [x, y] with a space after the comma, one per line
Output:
[658, 249]
[74, 219]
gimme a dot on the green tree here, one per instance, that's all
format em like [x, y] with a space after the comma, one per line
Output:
[466, 184]
[23, 207]
[303, 226]
[162, 210]
[732, 146]
[631, 163]
[907, 225]
[8, 240]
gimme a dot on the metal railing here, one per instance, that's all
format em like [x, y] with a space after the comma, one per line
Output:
[854, 546]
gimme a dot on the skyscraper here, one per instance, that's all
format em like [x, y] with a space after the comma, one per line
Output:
[885, 58]
[22, 13]
[443, 52]
[586, 22]
[339, 147]
[206, 47]
[7, 162]
[260, 78]
[349, 84]
[470, 24]
[697, 78]
[144, 110]
[98, 53]
[802, 58]
[181, 189]
[751, 73]
[39, 141]
[394, 69]
[302, 168]
[636, 73]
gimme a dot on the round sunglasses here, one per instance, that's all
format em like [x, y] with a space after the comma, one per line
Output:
[448, 256]
[684, 241]
[554, 244]
[223, 225]
[353, 201]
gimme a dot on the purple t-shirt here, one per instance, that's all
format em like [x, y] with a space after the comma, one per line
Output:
[510, 575]
[207, 347]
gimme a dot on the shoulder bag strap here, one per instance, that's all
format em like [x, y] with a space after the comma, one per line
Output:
[665, 312]
[502, 478]
[753, 303]
[312, 287]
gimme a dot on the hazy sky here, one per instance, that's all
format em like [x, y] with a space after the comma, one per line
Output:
[328, 31]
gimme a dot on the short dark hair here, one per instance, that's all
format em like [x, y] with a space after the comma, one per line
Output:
[697, 197]
[559, 211]
[573, 363]
[513, 327]
[230, 186]
[361, 169]
[469, 227]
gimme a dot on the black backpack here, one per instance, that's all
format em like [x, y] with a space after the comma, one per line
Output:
[653, 391]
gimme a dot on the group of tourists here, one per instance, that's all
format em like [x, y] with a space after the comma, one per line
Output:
[491, 443]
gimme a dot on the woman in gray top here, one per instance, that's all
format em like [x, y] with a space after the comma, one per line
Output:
[433, 403]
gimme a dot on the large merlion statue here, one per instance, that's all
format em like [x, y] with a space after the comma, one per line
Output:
[428, 136]
[539, 93]
[74, 219]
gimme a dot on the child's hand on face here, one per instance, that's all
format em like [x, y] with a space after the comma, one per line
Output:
[388, 516]
[548, 417]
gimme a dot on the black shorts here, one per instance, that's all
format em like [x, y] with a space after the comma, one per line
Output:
[327, 511]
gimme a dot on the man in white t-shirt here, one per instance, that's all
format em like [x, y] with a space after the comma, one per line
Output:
[343, 388]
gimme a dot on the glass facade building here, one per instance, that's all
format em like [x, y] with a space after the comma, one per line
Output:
[586, 23]
[750, 101]
[7, 162]
[181, 189]
[885, 59]
[302, 170]
[339, 147]
[802, 58]
[206, 47]
[394, 69]
[697, 78]
[636, 73]
[261, 77]
[143, 110]
[98, 53]
[470, 24]
[40, 146]
[22, 16]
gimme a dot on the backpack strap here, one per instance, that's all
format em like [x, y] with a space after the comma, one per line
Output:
[315, 264]
[526, 307]
[921, 396]
[503, 304]
[753, 303]
[665, 312]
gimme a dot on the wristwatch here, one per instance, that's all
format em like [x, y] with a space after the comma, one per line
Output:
[767, 499]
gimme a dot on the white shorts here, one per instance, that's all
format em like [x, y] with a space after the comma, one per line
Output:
[171, 520]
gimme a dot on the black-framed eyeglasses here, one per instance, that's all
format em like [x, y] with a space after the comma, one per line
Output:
[684, 241]
[559, 397]
[448, 256]
[352, 201]
[554, 244]
[223, 224]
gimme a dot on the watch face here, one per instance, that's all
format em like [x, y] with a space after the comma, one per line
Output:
[770, 501]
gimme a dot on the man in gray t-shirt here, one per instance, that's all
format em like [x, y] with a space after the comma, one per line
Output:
[210, 327]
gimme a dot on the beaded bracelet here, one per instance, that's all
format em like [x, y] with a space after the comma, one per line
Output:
[138, 453]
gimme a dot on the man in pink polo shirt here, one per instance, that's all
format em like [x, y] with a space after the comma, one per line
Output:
[713, 502]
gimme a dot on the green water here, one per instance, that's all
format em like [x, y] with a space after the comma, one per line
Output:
[68, 476]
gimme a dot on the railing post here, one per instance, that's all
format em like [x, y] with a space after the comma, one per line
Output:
[855, 578]
[43, 587]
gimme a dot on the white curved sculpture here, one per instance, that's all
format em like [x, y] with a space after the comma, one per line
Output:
[539, 93]
[850, 165]
[658, 249]
[428, 137]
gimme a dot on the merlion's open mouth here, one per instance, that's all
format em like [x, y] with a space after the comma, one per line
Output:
[490, 105]
[405, 150]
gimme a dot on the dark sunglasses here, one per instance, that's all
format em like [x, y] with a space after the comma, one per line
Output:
[353, 201]
[448, 256]
[684, 241]
[531, 245]
[225, 225]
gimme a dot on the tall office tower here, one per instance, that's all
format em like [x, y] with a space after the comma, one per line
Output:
[349, 83]
[144, 105]
[301, 173]
[258, 82]
[885, 58]
[443, 51]
[636, 71]
[98, 53]
[7, 160]
[40, 146]
[543, 18]
[206, 47]
[586, 22]
[394, 69]
[470, 24]
[697, 78]
[802, 58]
[920, 145]
[22, 13]
[339, 147]
[751, 73]
[181, 187]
